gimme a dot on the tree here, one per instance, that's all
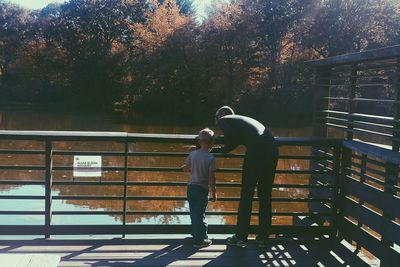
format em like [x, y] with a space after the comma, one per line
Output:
[350, 26]
[226, 42]
[13, 30]
[274, 20]
[160, 60]
[92, 38]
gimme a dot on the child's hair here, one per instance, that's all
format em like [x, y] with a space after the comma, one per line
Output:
[206, 135]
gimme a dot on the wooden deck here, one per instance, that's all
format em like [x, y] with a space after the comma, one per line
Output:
[171, 250]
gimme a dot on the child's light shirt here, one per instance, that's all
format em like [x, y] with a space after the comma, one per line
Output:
[200, 162]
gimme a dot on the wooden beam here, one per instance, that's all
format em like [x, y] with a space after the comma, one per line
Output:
[375, 54]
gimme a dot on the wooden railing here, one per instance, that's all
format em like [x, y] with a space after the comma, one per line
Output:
[52, 169]
[370, 200]
[357, 98]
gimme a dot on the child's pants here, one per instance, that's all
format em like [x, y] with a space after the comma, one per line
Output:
[198, 201]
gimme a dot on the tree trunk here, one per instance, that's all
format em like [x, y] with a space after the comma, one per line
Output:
[273, 76]
[4, 72]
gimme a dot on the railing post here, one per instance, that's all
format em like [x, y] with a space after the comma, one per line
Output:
[320, 103]
[352, 104]
[321, 90]
[345, 165]
[391, 175]
[48, 185]
[336, 183]
[363, 170]
[126, 149]
[396, 121]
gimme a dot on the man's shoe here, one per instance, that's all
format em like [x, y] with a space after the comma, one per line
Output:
[262, 242]
[202, 244]
[235, 241]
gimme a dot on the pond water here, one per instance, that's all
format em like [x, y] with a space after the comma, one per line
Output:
[76, 121]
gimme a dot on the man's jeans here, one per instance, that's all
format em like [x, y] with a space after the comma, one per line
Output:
[258, 170]
[198, 200]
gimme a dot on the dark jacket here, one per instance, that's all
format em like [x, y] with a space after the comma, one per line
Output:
[242, 130]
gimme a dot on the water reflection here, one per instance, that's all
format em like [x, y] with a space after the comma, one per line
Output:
[24, 120]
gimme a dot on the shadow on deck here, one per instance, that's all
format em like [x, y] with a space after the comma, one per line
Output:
[173, 251]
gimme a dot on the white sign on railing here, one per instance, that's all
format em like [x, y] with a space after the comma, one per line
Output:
[87, 166]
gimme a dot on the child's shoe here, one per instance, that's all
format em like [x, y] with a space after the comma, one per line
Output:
[203, 243]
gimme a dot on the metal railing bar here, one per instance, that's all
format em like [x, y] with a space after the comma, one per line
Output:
[371, 170]
[62, 135]
[307, 141]
[324, 162]
[92, 212]
[377, 67]
[25, 167]
[88, 153]
[79, 229]
[370, 160]
[22, 152]
[305, 157]
[358, 130]
[88, 183]
[361, 99]
[135, 137]
[21, 182]
[21, 197]
[369, 177]
[386, 76]
[22, 213]
[360, 115]
[344, 72]
[82, 197]
[377, 152]
[360, 85]
[154, 183]
[160, 213]
[174, 198]
[144, 154]
[105, 136]
[171, 169]
[324, 152]
[227, 213]
[139, 154]
[362, 123]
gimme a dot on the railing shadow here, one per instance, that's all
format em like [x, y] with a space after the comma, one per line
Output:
[165, 251]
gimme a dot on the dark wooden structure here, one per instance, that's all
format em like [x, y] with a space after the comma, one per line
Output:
[357, 98]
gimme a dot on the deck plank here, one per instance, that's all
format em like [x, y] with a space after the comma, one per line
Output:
[175, 251]
[29, 260]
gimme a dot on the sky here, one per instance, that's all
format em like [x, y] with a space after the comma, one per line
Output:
[201, 5]
[37, 4]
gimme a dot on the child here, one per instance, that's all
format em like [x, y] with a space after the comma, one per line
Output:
[201, 165]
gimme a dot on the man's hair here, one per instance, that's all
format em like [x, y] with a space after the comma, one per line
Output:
[226, 110]
[206, 135]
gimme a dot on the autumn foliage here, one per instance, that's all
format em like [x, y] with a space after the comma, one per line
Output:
[165, 59]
